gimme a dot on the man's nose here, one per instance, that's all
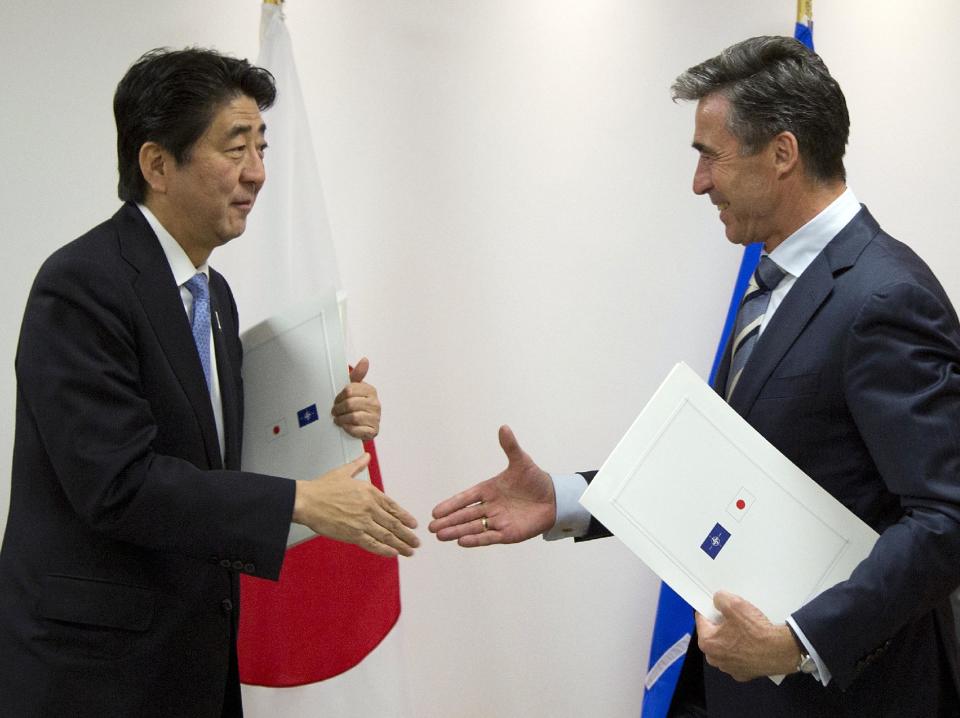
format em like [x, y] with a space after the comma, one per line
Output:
[701, 179]
[253, 170]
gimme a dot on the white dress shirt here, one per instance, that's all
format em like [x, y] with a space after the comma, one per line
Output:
[183, 270]
[793, 255]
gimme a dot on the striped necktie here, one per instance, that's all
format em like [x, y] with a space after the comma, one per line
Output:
[754, 305]
[200, 325]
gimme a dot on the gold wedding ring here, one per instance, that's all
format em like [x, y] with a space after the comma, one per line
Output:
[484, 523]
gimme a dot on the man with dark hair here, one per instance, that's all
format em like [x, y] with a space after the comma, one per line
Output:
[149, 106]
[130, 521]
[851, 368]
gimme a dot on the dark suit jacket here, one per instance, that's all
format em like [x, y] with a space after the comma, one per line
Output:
[126, 533]
[856, 379]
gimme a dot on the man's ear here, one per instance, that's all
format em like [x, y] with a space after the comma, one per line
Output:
[155, 165]
[786, 152]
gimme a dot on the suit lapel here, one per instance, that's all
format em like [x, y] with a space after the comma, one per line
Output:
[720, 378]
[810, 291]
[160, 298]
[223, 328]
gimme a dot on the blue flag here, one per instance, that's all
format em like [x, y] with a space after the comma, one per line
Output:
[674, 623]
[714, 543]
[804, 27]
[307, 415]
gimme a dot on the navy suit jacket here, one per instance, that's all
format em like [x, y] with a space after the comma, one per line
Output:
[127, 531]
[856, 379]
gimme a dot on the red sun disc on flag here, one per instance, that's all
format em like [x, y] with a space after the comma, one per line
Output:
[334, 603]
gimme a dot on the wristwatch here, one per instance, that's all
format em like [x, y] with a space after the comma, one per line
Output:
[805, 664]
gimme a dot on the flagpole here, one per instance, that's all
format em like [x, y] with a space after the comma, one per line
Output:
[804, 27]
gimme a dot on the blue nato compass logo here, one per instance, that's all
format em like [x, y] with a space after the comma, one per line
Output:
[308, 415]
[715, 541]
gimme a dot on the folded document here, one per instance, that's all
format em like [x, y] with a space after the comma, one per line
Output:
[709, 504]
[294, 364]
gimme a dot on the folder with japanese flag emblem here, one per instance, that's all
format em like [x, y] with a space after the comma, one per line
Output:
[294, 364]
[709, 504]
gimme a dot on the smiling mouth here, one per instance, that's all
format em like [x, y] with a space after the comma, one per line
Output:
[722, 205]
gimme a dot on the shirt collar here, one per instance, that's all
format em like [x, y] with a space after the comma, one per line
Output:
[798, 251]
[179, 262]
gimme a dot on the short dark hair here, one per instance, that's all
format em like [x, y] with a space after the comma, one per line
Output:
[776, 84]
[170, 97]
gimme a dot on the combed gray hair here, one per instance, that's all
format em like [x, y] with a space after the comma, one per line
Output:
[776, 84]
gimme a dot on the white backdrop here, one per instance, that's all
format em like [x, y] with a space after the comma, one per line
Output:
[508, 186]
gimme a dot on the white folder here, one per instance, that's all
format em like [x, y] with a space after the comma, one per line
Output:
[709, 504]
[294, 365]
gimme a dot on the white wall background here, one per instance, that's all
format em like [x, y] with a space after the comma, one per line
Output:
[508, 186]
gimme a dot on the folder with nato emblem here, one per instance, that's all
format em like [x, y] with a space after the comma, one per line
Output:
[709, 504]
[294, 365]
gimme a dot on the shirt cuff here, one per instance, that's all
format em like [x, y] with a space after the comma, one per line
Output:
[822, 673]
[572, 519]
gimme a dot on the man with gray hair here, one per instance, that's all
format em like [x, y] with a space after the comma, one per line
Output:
[850, 367]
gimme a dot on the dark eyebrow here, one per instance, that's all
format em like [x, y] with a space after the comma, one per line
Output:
[244, 129]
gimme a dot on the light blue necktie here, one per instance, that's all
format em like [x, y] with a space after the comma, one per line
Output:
[754, 305]
[200, 325]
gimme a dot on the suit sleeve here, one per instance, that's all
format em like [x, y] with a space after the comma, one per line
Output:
[902, 383]
[79, 375]
[596, 529]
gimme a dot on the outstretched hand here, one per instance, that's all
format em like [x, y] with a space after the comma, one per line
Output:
[515, 505]
[340, 507]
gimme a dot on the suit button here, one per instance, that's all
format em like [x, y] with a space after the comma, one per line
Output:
[249, 568]
[237, 565]
[225, 562]
[226, 605]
